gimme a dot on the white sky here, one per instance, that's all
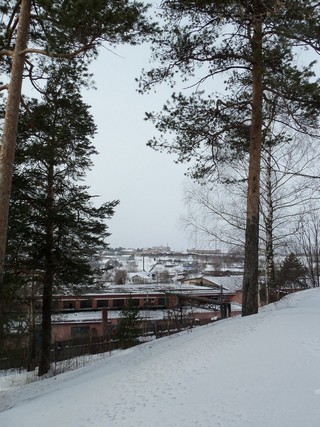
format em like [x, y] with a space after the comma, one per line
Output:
[254, 371]
[148, 183]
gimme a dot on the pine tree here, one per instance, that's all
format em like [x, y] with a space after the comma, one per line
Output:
[291, 275]
[127, 328]
[54, 227]
[249, 44]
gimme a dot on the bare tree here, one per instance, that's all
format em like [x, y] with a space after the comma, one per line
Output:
[120, 277]
[215, 214]
[308, 243]
[288, 182]
[164, 276]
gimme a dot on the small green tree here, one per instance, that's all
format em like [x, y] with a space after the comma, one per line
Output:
[128, 326]
[291, 275]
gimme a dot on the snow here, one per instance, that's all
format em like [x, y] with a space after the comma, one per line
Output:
[149, 287]
[91, 316]
[255, 371]
[231, 283]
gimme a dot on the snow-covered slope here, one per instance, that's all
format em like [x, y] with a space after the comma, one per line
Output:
[257, 371]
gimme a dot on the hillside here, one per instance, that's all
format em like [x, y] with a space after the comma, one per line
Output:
[258, 371]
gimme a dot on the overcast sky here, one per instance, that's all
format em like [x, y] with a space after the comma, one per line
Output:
[148, 184]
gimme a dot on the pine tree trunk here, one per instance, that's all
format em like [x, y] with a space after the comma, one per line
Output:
[31, 356]
[46, 328]
[8, 142]
[45, 352]
[251, 273]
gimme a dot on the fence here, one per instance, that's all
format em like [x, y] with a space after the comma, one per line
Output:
[74, 348]
[71, 349]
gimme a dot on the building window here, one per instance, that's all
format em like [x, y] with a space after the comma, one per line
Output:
[80, 331]
[102, 303]
[85, 303]
[69, 305]
[162, 301]
[149, 301]
[118, 303]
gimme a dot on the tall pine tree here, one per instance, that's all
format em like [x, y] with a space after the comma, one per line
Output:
[250, 45]
[54, 227]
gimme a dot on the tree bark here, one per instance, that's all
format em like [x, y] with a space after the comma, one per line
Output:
[8, 142]
[251, 273]
[46, 327]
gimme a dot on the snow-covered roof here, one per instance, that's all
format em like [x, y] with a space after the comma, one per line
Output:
[96, 316]
[140, 288]
[230, 283]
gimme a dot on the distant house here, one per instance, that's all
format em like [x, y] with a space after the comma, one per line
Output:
[141, 278]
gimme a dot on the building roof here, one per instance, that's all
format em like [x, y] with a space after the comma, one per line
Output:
[229, 283]
[96, 316]
[113, 289]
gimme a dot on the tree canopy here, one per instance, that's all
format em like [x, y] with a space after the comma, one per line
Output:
[32, 35]
[54, 153]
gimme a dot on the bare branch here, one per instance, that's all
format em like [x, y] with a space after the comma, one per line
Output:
[56, 54]
[303, 175]
[6, 52]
